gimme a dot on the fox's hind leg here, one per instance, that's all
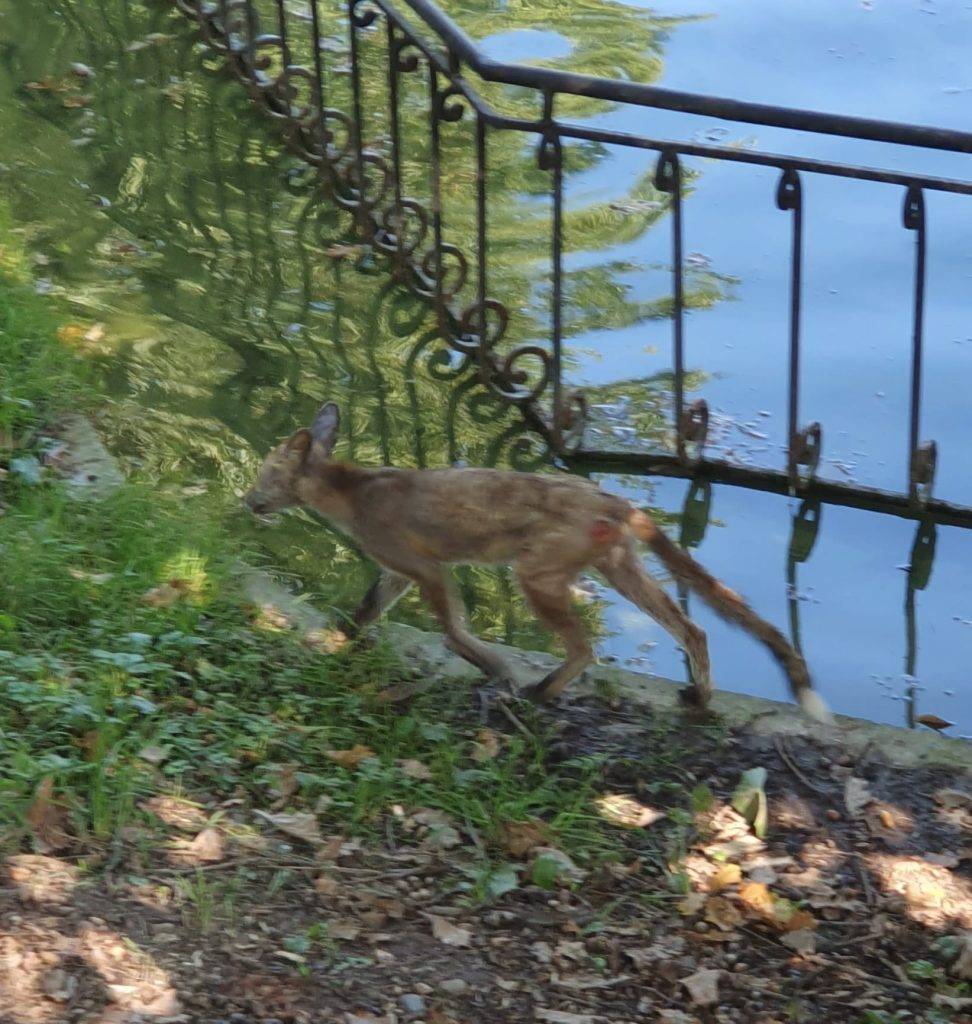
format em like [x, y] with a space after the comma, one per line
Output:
[549, 596]
[382, 594]
[623, 569]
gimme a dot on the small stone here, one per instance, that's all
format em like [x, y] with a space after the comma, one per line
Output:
[413, 1003]
[454, 986]
[833, 815]
[424, 988]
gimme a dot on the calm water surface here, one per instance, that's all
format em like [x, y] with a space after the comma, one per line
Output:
[165, 210]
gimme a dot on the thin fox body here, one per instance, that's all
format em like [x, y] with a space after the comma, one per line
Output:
[417, 523]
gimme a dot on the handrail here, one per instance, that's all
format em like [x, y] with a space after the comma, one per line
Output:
[549, 80]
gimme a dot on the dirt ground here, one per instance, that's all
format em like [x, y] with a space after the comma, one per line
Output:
[856, 907]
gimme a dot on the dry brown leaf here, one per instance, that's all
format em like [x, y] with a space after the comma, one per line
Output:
[339, 251]
[692, 904]
[722, 913]
[953, 798]
[344, 929]
[541, 1013]
[486, 746]
[934, 722]
[520, 837]
[448, 933]
[48, 819]
[624, 811]
[166, 594]
[703, 986]
[783, 915]
[856, 795]
[70, 334]
[962, 967]
[801, 940]
[326, 885]
[208, 846]
[351, 758]
[301, 826]
[415, 769]
[728, 874]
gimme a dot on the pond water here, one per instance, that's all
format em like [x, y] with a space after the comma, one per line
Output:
[160, 205]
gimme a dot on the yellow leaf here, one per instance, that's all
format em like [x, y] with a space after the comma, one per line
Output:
[728, 874]
[486, 745]
[351, 758]
[722, 913]
[624, 811]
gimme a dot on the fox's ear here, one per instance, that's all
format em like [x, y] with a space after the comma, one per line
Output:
[324, 429]
[300, 443]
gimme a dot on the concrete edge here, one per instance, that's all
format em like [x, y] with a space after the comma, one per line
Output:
[903, 748]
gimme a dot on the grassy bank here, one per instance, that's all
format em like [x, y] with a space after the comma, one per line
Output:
[131, 664]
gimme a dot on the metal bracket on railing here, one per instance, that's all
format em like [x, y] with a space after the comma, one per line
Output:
[924, 462]
[694, 428]
[805, 449]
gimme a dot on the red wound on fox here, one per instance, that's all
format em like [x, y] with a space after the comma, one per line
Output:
[604, 532]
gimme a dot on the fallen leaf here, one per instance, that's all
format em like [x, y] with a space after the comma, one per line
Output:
[628, 813]
[442, 834]
[952, 1002]
[728, 874]
[345, 929]
[166, 594]
[448, 933]
[962, 967]
[351, 758]
[415, 769]
[802, 941]
[749, 800]
[486, 746]
[703, 986]
[154, 754]
[326, 885]
[692, 904]
[48, 819]
[953, 798]
[561, 1016]
[301, 826]
[934, 722]
[208, 846]
[520, 837]
[722, 913]
[339, 252]
[551, 865]
[97, 578]
[758, 901]
[856, 795]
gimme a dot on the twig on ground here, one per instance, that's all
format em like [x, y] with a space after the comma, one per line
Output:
[791, 764]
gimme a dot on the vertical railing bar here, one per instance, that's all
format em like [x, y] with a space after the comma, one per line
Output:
[284, 47]
[357, 124]
[678, 323]
[395, 143]
[796, 286]
[481, 227]
[319, 73]
[915, 218]
[435, 184]
[557, 290]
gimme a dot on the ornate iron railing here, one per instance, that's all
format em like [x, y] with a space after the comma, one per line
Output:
[368, 181]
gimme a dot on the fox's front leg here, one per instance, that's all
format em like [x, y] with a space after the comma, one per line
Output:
[440, 594]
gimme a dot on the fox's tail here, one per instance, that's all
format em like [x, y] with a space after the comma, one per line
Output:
[731, 607]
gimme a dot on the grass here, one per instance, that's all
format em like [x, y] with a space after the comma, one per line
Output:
[131, 664]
